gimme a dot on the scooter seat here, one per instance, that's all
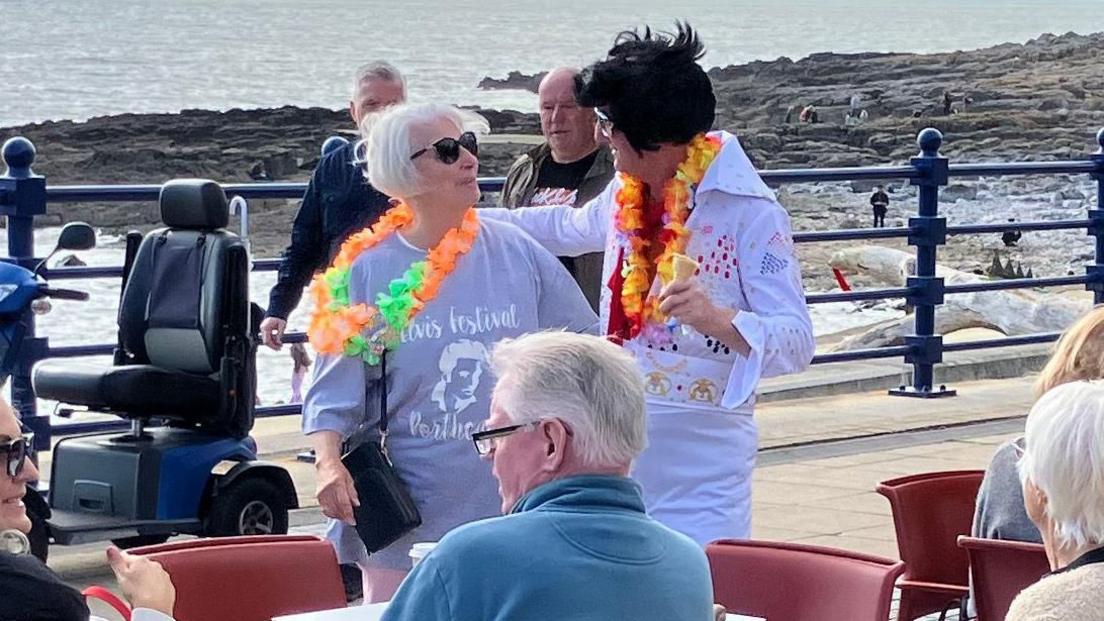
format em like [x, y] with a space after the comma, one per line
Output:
[130, 391]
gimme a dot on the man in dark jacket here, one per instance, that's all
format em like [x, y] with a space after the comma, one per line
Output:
[879, 200]
[570, 167]
[338, 202]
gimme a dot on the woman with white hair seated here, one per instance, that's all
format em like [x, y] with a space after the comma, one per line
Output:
[1062, 469]
[431, 286]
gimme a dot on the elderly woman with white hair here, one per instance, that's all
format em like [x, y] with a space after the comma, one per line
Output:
[1062, 469]
[429, 280]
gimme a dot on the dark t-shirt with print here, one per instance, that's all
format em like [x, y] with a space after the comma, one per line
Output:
[557, 183]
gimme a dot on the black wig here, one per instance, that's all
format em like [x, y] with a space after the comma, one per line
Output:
[651, 87]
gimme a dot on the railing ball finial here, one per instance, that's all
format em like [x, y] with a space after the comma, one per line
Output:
[18, 154]
[1100, 140]
[929, 140]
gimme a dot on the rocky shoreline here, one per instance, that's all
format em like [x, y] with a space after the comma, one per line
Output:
[1040, 100]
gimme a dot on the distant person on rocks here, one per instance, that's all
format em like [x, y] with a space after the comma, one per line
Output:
[568, 168]
[855, 112]
[790, 114]
[947, 102]
[809, 114]
[879, 201]
[1011, 236]
[338, 201]
[967, 101]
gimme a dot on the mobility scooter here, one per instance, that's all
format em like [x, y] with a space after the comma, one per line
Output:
[184, 375]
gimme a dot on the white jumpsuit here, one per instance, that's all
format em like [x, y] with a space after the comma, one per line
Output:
[696, 471]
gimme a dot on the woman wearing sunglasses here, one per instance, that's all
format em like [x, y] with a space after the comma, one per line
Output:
[28, 589]
[431, 286]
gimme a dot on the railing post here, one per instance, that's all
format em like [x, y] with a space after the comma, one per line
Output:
[928, 232]
[22, 197]
[1095, 272]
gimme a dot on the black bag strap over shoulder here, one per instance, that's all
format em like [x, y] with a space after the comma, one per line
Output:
[392, 512]
[383, 404]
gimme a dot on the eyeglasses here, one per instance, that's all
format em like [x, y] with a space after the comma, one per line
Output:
[448, 149]
[484, 440]
[604, 123]
[17, 451]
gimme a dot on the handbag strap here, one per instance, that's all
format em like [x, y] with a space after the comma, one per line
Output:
[383, 402]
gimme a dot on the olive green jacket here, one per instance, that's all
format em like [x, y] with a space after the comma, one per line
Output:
[521, 184]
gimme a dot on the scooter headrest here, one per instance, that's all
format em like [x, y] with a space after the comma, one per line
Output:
[194, 204]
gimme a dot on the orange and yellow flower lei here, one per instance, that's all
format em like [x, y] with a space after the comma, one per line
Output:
[639, 307]
[338, 327]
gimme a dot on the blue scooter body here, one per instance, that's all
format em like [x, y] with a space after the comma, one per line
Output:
[18, 288]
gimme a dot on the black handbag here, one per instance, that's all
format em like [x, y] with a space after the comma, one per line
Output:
[386, 511]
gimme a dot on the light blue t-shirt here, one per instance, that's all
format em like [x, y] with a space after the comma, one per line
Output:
[439, 381]
[579, 548]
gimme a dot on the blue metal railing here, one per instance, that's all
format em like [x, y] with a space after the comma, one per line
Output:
[24, 195]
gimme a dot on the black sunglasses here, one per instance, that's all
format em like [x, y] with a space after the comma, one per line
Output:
[448, 149]
[604, 122]
[17, 451]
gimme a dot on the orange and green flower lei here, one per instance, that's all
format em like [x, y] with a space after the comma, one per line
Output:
[365, 331]
[641, 308]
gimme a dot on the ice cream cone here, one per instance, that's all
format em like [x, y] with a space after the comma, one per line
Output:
[684, 267]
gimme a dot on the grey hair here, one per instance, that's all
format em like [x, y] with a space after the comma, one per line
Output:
[378, 70]
[585, 381]
[387, 144]
[1064, 458]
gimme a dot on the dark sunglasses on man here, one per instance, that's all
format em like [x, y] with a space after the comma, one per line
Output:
[448, 149]
[604, 123]
[16, 451]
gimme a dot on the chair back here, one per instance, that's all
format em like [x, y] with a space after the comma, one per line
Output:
[1000, 570]
[250, 578]
[799, 582]
[930, 510]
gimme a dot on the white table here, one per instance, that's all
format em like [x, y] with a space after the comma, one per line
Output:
[373, 612]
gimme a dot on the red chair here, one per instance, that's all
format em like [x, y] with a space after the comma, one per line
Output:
[930, 511]
[1000, 570]
[250, 578]
[795, 582]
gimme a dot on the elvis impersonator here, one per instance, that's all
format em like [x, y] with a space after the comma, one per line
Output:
[685, 196]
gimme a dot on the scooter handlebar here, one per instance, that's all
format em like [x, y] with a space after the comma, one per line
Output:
[64, 294]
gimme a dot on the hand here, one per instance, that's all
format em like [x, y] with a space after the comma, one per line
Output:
[719, 612]
[335, 491]
[688, 303]
[144, 582]
[272, 332]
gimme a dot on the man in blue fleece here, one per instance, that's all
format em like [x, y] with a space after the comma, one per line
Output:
[566, 423]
